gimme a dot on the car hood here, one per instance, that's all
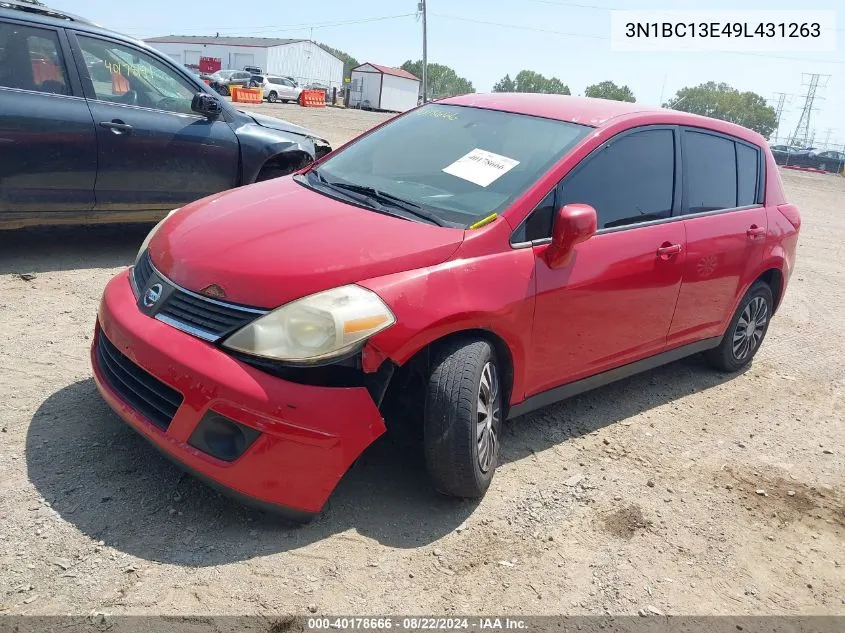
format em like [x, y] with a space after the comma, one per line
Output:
[275, 241]
[277, 124]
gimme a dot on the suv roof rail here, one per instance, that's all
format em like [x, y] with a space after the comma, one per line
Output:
[33, 6]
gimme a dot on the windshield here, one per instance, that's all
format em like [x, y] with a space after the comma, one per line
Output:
[460, 164]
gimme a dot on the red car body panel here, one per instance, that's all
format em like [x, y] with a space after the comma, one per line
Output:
[263, 244]
[612, 305]
[310, 435]
[618, 299]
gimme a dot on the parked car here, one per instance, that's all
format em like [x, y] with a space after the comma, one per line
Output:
[141, 135]
[276, 88]
[223, 80]
[829, 160]
[265, 337]
[790, 155]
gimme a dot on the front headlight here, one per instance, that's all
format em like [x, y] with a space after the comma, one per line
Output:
[150, 235]
[315, 328]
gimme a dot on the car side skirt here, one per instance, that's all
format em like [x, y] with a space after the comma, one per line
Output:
[556, 394]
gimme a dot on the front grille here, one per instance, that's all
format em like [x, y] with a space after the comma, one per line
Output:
[144, 392]
[211, 317]
[142, 271]
[205, 318]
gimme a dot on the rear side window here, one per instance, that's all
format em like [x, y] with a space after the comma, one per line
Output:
[719, 173]
[632, 180]
[747, 172]
[710, 172]
[31, 59]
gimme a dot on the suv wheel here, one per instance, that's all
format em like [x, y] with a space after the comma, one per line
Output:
[746, 331]
[463, 418]
[272, 97]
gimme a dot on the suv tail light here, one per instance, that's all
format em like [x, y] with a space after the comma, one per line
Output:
[790, 212]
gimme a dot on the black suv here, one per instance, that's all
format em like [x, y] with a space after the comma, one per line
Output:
[99, 127]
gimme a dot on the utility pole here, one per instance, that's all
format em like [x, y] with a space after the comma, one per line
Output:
[421, 9]
[779, 110]
[801, 135]
[827, 134]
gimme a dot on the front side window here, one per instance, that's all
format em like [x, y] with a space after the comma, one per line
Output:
[710, 172]
[458, 163]
[31, 59]
[121, 74]
[629, 181]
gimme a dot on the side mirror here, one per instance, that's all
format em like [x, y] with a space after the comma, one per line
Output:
[206, 105]
[574, 223]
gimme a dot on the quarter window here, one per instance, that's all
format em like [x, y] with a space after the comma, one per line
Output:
[31, 59]
[125, 75]
[631, 180]
[747, 171]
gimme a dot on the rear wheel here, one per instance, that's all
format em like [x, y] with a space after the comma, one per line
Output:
[224, 90]
[463, 418]
[746, 331]
[273, 97]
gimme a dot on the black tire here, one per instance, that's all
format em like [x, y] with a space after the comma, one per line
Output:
[451, 439]
[272, 97]
[740, 343]
[224, 90]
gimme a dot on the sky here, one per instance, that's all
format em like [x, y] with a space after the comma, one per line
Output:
[485, 39]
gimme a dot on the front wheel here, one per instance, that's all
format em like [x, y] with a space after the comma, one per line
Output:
[463, 418]
[272, 97]
[746, 331]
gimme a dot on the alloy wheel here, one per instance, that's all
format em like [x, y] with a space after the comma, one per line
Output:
[489, 418]
[750, 328]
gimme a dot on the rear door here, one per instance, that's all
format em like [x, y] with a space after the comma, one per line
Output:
[613, 303]
[154, 152]
[48, 147]
[726, 230]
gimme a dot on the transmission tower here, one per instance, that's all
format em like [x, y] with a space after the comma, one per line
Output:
[779, 110]
[802, 131]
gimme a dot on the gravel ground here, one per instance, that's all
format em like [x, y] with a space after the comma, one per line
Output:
[679, 491]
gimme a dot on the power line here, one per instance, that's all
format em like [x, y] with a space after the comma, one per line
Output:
[289, 27]
[606, 38]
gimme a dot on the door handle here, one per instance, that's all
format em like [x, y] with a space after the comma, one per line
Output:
[668, 251]
[755, 231]
[116, 126]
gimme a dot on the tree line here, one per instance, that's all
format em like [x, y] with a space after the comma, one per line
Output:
[716, 100]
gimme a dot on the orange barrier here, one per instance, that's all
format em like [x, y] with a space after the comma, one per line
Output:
[312, 99]
[246, 95]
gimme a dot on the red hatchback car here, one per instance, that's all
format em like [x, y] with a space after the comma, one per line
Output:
[463, 264]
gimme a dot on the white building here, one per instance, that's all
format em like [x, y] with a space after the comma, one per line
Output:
[383, 88]
[304, 60]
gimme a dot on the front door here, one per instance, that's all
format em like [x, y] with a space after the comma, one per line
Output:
[726, 228]
[613, 303]
[154, 152]
[48, 147]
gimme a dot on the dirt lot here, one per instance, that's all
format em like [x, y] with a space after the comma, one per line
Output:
[679, 491]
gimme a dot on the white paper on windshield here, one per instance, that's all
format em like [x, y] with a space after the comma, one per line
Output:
[481, 167]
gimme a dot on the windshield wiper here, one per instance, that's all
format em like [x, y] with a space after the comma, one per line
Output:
[383, 198]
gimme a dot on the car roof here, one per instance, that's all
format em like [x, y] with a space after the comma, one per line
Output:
[596, 112]
[29, 9]
[41, 14]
